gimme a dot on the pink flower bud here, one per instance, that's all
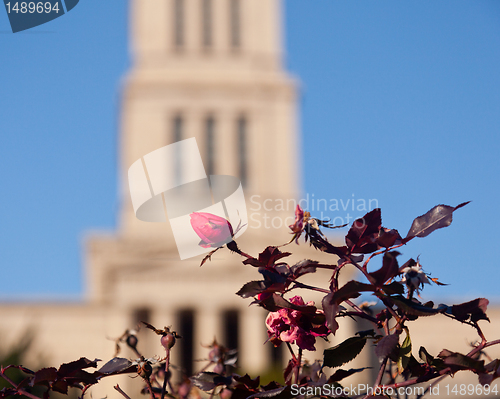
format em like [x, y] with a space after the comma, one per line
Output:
[213, 230]
[298, 226]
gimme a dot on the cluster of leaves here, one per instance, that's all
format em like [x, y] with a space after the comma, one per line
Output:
[296, 324]
[393, 284]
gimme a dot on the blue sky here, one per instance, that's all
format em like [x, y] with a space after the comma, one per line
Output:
[400, 102]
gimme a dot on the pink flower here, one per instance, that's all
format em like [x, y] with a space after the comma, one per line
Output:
[298, 226]
[213, 230]
[287, 325]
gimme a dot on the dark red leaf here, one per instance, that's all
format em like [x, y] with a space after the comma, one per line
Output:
[330, 308]
[67, 368]
[322, 244]
[279, 392]
[412, 308]
[83, 377]
[386, 346]
[275, 302]
[247, 381]
[340, 374]
[438, 217]
[271, 385]
[60, 386]
[45, 375]
[343, 352]
[430, 360]
[207, 381]
[457, 361]
[252, 288]
[288, 373]
[303, 267]
[387, 238]
[475, 309]
[351, 289]
[363, 234]
[394, 288]
[493, 368]
[271, 255]
[117, 365]
[332, 300]
[389, 269]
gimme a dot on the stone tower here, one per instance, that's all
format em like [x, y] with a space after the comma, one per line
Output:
[209, 69]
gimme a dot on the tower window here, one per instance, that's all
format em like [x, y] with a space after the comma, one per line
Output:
[142, 314]
[178, 23]
[231, 331]
[177, 136]
[210, 145]
[276, 355]
[235, 23]
[242, 149]
[186, 330]
[207, 23]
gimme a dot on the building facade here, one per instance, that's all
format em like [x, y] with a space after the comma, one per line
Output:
[212, 70]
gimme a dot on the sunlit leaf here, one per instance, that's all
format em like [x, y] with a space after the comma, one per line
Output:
[343, 352]
[438, 217]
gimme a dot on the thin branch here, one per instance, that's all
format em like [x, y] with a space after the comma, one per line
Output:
[117, 387]
[165, 379]
[148, 383]
[21, 391]
[309, 287]
[362, 315]
[381, 372]
[291, 350]
[297, 372]
[85, 388]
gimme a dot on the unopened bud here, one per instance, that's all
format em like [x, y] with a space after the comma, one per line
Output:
[132, 341]
[167, 340]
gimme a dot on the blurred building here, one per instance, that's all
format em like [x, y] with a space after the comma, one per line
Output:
[213, 70]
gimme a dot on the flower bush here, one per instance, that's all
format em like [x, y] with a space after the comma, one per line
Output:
[297, 324]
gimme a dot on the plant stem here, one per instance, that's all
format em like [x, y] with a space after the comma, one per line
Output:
[165, 379]
[381, 372]
[117, 387]
[85, 390]
[309, 287]
[21, 391]
[297, 372]
[291, 350]
[148, 383]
